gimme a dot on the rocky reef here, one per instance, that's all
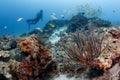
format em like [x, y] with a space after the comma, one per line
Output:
[57, 24]
[82, 55]
[90, 54]
[53, 28]
[7, 43]
[36, 63]
[80, 48]
[79, 21]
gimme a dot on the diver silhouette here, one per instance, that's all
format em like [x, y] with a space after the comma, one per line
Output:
[36, 19]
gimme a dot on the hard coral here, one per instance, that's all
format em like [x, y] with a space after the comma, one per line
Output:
[4, 56]
[77, 22]
[7, 43]
[29, 45]
[111, 55]
[111, 74]
[37, 61]
[115, 33]
[5, 68]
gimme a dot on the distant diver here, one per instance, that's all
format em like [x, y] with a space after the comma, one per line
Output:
[36, 19]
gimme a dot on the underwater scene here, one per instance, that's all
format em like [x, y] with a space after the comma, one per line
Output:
[59, 40]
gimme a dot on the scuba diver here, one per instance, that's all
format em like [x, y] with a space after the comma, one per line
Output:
[36, 19]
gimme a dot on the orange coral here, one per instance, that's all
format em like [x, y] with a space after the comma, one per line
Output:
[37, 61]
[29, 45]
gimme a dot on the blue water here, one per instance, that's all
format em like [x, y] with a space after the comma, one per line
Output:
[11, 10]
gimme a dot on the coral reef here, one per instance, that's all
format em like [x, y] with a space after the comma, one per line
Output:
[29, 45]
[84, 49]
[57, 34]
[111, 74]
[5, 68]
[9, 49]
[115, 32]
[38, 61]
[35, 61]
[58, 23]
[82, 46]
[7, 43]
[97, 22]
[4, 56]
[44, 36]
[112, 54]
[80, 21]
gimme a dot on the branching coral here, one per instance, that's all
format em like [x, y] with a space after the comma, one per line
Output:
[37, 61]
[84, 49]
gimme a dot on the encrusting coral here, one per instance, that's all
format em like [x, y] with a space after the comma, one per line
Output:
[38, 61]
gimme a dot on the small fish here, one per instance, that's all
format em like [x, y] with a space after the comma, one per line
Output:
[68, 12]
[53, 13]
[52, 25]
[19, 19]
[5, 27]
[114, 11]
[39, 29]
[62, 16]
[53, 17]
